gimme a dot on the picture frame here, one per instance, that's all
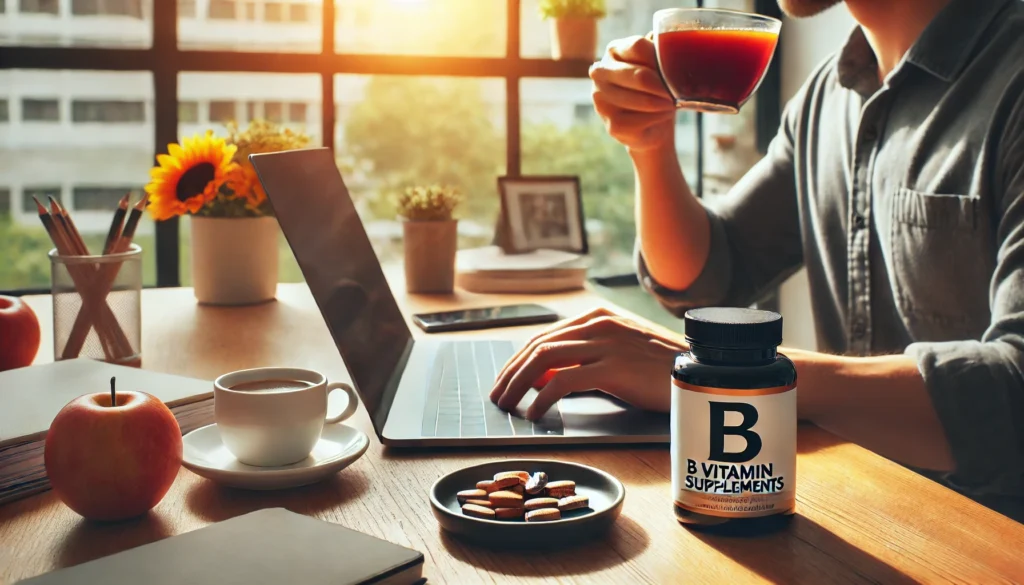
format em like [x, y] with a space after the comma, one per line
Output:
[541, 212]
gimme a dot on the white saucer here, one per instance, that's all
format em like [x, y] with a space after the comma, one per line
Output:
[206, 455]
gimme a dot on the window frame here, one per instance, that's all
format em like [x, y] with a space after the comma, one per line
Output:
[164, 60]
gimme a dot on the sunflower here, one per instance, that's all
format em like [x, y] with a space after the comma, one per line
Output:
[189, 176]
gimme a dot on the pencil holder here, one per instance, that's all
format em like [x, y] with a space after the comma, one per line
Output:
[97, 306]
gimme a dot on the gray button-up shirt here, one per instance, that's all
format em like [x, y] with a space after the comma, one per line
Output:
[905, 202]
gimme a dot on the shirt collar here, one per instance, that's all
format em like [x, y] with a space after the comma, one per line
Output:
[943, 49]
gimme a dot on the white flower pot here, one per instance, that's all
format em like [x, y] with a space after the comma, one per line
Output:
[234, 260]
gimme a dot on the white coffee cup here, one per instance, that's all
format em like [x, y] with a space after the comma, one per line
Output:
[269, 417]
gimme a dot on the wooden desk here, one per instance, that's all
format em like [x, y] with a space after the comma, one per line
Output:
[860, 517]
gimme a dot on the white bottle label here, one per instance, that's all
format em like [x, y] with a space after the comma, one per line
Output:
[734, 451]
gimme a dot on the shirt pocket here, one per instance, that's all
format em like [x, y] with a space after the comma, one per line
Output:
[942, 265]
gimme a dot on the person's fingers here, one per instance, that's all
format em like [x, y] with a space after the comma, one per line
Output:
[543, 358]
[589, 329]
[638, 50]
[513, 362]
[629, 76]
[566, 382]
[635, 101]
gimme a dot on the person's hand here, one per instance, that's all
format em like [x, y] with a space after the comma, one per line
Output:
[630, 97]
[596, 351]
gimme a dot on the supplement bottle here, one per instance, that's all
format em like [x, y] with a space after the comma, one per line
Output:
[733, 423]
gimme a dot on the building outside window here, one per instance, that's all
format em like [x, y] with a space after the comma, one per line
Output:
[40, 110]
[108, 111]
[5, 115]
[39, 6]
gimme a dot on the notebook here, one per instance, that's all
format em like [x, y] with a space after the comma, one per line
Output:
[268, 547]
[31, 397]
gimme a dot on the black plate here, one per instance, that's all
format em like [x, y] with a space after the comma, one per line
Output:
[606, 494]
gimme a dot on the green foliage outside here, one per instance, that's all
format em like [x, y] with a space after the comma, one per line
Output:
[571, 8]
[24, 260]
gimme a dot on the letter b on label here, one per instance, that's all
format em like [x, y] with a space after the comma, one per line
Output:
[719, 430]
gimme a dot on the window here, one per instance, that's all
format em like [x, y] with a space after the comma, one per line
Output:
[39, 6]
[29, 195]
[4, 114]
[274, 112]
[273, 12]
[82, 7]
[188, 112]
[426, 27]
[186, 8]
[100, 198]
[107, 111]
[5, 202]
[300, 13]
[582, 113]
[40, 110]
[297, 113]
[222, 111]
[436, 112]
[222, 9]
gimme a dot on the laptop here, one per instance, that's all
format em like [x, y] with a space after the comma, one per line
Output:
[419, 392]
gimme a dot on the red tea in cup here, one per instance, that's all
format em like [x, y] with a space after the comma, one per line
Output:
[713, 60]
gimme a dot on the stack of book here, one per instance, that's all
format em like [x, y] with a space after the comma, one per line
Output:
[32, 397]
[490, 270]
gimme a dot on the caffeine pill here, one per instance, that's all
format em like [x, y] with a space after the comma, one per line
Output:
[573, 503]
[538, 503]
[478, 511]
[733, 422]
[484, 503]
[471, 495]
[561, 489]
[508, 513]
[521, 475]
[543, 515]
[501, 483]
[505, 499]
[487, 485]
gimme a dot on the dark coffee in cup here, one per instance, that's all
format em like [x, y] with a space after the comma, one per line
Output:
[270, 385]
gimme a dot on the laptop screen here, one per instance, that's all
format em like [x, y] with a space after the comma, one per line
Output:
[327, 237]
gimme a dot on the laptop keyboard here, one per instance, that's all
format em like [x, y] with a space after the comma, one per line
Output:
[457, 396]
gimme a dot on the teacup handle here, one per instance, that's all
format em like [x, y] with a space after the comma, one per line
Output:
[350, 408]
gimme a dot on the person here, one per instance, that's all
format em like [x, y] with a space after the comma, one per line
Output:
[897, 179]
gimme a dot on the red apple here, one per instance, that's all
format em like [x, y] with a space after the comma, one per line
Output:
[19, 334]
[113, 462]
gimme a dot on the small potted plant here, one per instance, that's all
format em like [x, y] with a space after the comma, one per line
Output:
[234, 232]
[430, 237]
[573, 27]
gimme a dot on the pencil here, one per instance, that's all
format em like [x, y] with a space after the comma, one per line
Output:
[68, 225]
[116, 225]
[82, 283]
[132, 223]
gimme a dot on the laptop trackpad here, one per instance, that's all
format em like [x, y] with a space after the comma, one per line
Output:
[598, 414]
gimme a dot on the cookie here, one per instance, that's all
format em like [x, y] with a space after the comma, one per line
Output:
[521, 475]
[508, 513]
[538, 503]
[471, 495]
[484, 503]
[487, 485]
[573, 503]
[560, 489]
[505, 482]
[535, 485]
[543, 515]
[478, 512]
[505, 499]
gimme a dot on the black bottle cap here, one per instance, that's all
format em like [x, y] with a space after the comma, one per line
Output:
[728, 327]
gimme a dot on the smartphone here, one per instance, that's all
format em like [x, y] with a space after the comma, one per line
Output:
[464, 320]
